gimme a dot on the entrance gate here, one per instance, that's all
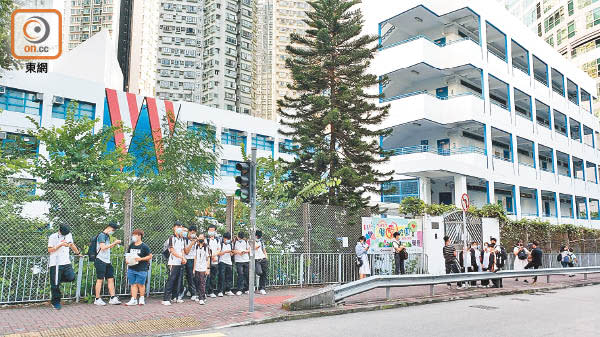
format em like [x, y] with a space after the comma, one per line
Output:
[453, 227]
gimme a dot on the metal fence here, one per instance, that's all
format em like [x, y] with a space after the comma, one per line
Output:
[26, 278]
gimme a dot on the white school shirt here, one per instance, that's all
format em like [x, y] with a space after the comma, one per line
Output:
[60, 256]
[215, 247]
[241, 245]
[201, 256]
[467, 258]
[486, 260]
[259, 251]
[192, 254]
[226, 258]
[178, 245]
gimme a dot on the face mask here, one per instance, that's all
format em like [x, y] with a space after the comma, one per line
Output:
[179, 231]
[227, 242]
[211, 233]
[111, 232]
[192, 236]
[200, 240]
[185, 234]
[134, 239]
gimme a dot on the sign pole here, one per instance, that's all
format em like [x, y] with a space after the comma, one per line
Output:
[252, 267]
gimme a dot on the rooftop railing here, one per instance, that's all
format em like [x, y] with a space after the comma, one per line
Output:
[439, 151]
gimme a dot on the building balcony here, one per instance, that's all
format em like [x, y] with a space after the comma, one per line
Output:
[415, 159]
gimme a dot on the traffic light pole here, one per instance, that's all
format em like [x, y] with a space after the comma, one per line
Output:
[252, 269]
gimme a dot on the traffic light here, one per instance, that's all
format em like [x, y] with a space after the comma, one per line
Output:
[244, 181]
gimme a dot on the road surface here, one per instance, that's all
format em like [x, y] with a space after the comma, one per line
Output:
[565, 312]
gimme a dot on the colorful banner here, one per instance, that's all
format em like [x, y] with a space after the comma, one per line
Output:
[379, 233]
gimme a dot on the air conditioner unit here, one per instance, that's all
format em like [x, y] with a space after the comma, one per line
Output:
[2, 90]
[225, 130]
[270, 139]
[38, 97]
[244, 133]
[58, 100]
[224, 161]
[190, 123]
[2, 135]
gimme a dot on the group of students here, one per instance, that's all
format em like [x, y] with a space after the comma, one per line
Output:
[362, 258]
[206, 262]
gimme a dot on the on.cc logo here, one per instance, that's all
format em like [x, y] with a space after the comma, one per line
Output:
[36, 29]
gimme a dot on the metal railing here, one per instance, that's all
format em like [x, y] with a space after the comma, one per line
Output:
[26, 279]
[425, 92]
[439, 151]
[417, 37]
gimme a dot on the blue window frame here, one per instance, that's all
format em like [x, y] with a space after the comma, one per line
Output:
[207, 131]
[262, 142]
[20, 101]
[83, 109]
[287, 146]
[229, 169]
[19, 145]
[233, 137]
[395, 191]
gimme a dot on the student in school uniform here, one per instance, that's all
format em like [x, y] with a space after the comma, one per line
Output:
[242, 261]
[261, 259]
[488, 263]
[189, 236]
[214, 247]
[61, 270]
[201, 267]
[225, 266]
[176, 246]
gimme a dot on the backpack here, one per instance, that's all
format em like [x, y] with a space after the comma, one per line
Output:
[168, 244]
[93, 249]
[404, 254]
[522, 255]
[559, 257]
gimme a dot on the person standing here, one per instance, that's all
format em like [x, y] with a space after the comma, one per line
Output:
[361, 249]
[214, 246]
[189, 236]
[201, 267]
[500, 258]
[176, 246]
[450, 260]
[242, 260]
[521, 254]
[138, 273]
[475, 265]
[59, 262]
[488, 263]
[262, 262]
[225, 266]
[400, 254]
[536, 259]
[104, 268]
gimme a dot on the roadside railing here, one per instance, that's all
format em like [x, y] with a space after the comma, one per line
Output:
[25, 279]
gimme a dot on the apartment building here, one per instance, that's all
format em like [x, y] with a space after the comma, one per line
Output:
[228, 57]
[87, 17]
[264, 60]
[480, 105]
[572, 27]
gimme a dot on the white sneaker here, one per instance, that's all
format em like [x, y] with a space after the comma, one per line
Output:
[201, 302]
[229, 293]
[132, 301]
[165, 302]
[220, 295]
[246, 292]
[114, 301]
[263, 292]
[213, 295]
[141, 301]
[99, 301]
[179, 300]
[194, 298]
[479, 286]
[239, 293]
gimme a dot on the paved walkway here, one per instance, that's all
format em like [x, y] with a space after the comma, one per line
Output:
[84, 320]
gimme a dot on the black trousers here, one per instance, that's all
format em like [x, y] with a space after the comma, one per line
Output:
[472, 270]
[399, 262]
[242, 275]
[211, 280]
[497, 282]
[188, 273]
[262, 279]
[225, 277]
[173, 282]
[65, 274]
[485, 283]
[531, 265]
[452, 268]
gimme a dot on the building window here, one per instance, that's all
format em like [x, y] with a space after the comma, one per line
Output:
[395, 191]
[205, 130]
[287, 146]
[592, 18]
[16, 145]
[81, 109]
[571, 7]
[571, 29]
[233, 137]
[229, 169]
[20, 101]
[263, 142]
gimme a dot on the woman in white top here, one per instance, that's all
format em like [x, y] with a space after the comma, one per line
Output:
[521, 254]
[201, 268]
[361, 250]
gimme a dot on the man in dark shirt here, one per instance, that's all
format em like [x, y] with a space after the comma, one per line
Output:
[450, 260]
[536, 259]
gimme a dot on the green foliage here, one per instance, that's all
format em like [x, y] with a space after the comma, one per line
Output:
[489, 211]
[439, 209]
[412, 206]
[331, 117]
[6, 59]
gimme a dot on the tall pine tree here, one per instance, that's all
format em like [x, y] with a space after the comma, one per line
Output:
[331, 116]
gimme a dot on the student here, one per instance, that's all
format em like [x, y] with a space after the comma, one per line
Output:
[475, 266]
[242, 260]
[361, 250]
[189, 236]
[59, 262]
[399, 254]
[500, 258]
[138, 273]
[176, 261]
[261, 260]
[450, 260]
[201, 267]
[225, 266]
[465, 262]
[214, 246]
[536, 259]
[521, 254]
[104, 269]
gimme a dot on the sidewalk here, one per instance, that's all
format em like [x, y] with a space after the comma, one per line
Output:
[155, 319]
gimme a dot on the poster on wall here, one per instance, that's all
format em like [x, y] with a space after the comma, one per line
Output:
[379, 233]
